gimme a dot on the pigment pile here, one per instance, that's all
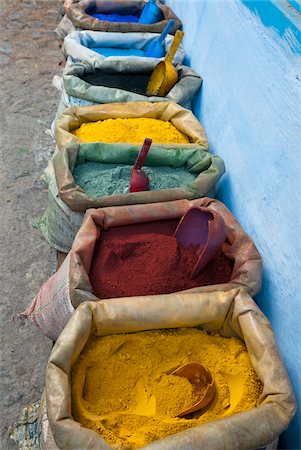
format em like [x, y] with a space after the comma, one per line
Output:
[134, 82]
[146, 259]
[100, 179]
[130, 130]
[123, 390]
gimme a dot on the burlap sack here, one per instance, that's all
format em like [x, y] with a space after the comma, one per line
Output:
[181, 118]
[64, 27]
[79, 45]
[182, 93]
[70, 286]
[231, 313]
[207, 168]
[80, 19]
[58, 224]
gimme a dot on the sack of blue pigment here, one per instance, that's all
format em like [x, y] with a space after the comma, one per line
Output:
[84, 273]
[97, 15]
[86, 45]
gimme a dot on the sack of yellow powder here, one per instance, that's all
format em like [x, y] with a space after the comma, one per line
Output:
[254, 393]
[171, 125]
[115, 80]
[70, 286]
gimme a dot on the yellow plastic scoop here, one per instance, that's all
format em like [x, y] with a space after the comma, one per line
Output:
[202, 382]
[165, 75]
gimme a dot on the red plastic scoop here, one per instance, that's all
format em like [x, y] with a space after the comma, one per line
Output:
[203, 385]
[203, 231]
[139, 179]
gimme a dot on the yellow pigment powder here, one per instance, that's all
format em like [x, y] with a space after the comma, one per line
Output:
[133, 131]
[122, 387]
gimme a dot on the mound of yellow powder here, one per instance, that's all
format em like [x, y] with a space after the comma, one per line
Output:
[122, 387]
[132, 131]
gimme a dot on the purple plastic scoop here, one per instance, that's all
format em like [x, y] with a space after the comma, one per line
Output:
[204, 231]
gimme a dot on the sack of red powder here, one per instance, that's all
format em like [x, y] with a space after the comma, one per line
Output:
[85, 274]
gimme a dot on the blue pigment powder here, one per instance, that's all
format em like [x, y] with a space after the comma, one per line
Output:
[100, 179]
[115, 17]
[112, 51]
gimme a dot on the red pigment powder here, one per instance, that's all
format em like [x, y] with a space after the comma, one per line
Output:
[145, 259]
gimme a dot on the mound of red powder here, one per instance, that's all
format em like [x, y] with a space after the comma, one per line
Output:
[128, 263]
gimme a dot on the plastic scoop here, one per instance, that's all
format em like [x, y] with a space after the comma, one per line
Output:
[151, 13]
[165, 75]
[203, 385]
[203, 230]
[156, 49]
[139, 179]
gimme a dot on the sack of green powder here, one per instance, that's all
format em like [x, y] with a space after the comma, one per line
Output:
[96, 175]
[87, 45]
[116, 80]
[182, 119]
[70, 286]
[230, 314]
[80, 14]
[64, 213]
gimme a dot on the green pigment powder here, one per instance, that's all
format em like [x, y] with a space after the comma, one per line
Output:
[100, 179]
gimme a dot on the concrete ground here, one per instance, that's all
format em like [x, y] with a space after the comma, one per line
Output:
[29, 57]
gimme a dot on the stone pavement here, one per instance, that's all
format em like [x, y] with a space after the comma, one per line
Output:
[29, 57]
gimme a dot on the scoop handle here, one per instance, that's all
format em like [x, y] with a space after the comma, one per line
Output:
[166, 31]
[174, 46]
[143, 153]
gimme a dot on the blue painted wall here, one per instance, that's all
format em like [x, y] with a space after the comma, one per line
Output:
[248, 54]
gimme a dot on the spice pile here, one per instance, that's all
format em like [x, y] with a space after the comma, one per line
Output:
[112, 51]
[133, 82]
[121, 387]
[99, 179]
[131, 131]
[116, 17]
[143, 259]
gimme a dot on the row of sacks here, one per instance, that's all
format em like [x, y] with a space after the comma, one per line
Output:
[67, 201]
[230, 313]
[69, 308]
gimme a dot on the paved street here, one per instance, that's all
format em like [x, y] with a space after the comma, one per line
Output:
[29, 57]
